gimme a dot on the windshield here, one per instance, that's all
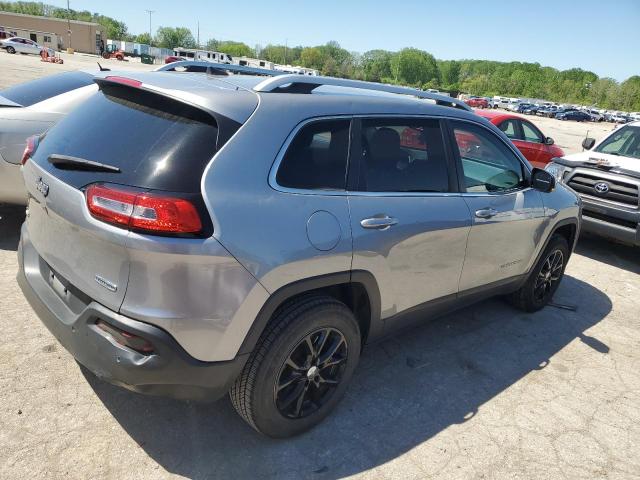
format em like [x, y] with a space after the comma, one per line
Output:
[624, 142]
[30, 93]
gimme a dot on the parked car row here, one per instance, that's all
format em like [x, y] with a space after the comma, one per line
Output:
[356, 209]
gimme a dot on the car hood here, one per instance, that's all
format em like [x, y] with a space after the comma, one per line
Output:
[603, 161]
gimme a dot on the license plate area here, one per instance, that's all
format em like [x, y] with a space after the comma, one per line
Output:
[75, 300]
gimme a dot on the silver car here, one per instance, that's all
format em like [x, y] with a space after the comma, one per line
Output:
[30, 109]
[24, 46]
[250, 234]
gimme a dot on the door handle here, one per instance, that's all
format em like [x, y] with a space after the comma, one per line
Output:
[486, 212]
[378, 223]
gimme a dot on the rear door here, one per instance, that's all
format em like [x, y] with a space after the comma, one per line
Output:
[409, 224]
[507, 213]
[155, 144]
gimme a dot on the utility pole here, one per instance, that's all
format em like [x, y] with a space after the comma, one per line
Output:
[286, 41]
[198, 34]
[69, 24]
[150, 12]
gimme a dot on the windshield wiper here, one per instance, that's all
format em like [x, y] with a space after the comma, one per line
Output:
[74, 163]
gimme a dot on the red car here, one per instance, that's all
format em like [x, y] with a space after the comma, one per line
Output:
[536, 147]
[477, 102]
[172, 59]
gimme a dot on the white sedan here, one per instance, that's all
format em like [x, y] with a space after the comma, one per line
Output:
[23, 45]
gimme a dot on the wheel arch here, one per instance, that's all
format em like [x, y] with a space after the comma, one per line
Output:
[357, 289]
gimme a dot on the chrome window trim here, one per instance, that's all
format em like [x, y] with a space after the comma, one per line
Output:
[337, 193]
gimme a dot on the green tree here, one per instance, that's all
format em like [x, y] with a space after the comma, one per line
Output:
[376, 65]
[235, 49]
[144, 38]
[414, 67]
[169, 37]
[313, 57]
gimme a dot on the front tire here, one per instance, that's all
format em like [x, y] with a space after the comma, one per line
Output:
[11, 50]
[300, 368]
[545, 277]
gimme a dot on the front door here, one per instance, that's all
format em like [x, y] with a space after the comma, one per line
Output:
[532, 145]
[409, 224]
[507, 213]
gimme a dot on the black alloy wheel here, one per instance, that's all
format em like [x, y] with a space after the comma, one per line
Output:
[549, 275]
[312, 371]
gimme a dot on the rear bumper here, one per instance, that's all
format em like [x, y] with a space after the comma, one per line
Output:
[611, 230]
[168, 371]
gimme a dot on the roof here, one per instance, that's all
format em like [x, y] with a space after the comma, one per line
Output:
[234, 96]
[55, 19]
[494, 116]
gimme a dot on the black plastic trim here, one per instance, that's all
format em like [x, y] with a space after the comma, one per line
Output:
[291, 290]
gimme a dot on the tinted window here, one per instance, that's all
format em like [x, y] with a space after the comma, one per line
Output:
[510, 129]
[156, 142]
[317, 157]
[531, 133]
[487, 163]
[29, 93]
[402, 155]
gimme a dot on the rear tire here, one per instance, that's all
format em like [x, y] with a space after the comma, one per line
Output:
[11, 50]
[300, 368]
[545, 277]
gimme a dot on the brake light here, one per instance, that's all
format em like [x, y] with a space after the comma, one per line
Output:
[124, 81]
[30, 148]
[147, 211]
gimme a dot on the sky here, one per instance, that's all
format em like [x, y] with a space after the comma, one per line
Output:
[600, 36]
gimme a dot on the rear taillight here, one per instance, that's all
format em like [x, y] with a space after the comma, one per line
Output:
[152, 212]
[30, 148]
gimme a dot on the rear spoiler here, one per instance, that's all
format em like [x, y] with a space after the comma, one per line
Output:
[5, 102]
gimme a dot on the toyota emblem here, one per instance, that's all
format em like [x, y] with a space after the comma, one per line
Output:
[601, 188]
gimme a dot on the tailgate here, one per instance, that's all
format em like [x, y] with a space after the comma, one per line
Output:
[80, 250]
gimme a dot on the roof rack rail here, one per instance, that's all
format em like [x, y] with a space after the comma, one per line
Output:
[203, 66]
[303, 84]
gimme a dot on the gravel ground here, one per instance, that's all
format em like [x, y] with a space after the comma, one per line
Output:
[486, 393]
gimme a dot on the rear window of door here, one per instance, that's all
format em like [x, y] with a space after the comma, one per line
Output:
[30, 93]
[316, 159]
[402, 155]
[488, 165]
[510, 129]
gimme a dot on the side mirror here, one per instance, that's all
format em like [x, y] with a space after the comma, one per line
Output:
[548, 141]
[542, 180]
[588, 143]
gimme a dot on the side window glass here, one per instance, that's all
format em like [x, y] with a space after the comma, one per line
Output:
[531, 133]
[488, 165]
[510, 129]
[317, 157]
[402, 155]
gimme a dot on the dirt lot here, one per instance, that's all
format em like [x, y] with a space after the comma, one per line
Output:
[485, 393]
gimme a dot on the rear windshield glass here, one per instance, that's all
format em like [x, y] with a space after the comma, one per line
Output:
[27, 94]
[157, 143]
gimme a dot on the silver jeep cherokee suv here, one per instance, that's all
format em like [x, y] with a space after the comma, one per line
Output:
[249, 234]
